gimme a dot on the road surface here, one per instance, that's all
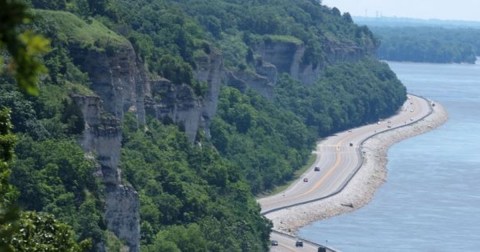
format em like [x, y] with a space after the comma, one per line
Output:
[338, 157]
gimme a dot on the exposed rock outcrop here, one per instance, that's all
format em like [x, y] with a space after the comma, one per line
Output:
[119, 80]
[179, 102]
[102, 139]
[289, 57]
[210, 71]
[117, 77]
[121, 83]
[243, 80]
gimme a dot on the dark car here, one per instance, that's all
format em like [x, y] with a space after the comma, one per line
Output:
[274, 243]
[299, 244]
[316, 168]
[305, 180]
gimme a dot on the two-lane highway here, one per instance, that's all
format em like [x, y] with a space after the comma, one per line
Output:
[338, 159]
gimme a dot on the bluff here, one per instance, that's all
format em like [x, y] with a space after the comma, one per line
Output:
[192, 66]
[287, 55]
[120, 83]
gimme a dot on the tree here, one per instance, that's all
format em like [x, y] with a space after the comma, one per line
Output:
[41, 232]
[8, 210]
[28, 231]
[24, 48]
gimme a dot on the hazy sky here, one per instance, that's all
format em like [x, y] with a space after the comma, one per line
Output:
[425, 9]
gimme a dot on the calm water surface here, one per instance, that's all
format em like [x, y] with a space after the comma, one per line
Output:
[431, 200]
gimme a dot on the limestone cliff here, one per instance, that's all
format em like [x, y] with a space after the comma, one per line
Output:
[117, 77]
[179, 103]
[284, 56]
[120, 83]
[288, 57]
[119, 80]
[102, 139]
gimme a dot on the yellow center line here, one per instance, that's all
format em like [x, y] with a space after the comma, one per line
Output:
[332, 169]
[329, 172]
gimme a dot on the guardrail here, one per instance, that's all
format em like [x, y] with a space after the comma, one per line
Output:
[305, 241]
[357, 168]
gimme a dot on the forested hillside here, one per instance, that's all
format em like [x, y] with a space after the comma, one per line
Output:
[159, 120]
[428, 44]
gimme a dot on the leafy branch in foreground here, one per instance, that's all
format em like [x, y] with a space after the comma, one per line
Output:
[24, 48]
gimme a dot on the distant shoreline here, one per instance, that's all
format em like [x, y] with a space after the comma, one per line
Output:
[361, 189]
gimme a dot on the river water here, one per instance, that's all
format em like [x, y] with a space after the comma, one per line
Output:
[431, 200]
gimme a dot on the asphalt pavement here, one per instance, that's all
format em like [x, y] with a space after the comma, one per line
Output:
[337, 160]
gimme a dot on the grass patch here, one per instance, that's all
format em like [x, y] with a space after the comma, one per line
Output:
[285, 39]
[71, 29]
[296, 175]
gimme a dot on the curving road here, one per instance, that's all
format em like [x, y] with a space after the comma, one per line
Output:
[337, 159]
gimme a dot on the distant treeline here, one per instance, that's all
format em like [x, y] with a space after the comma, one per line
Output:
[428, 44]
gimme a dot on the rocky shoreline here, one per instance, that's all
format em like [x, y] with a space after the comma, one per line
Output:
[363, 185]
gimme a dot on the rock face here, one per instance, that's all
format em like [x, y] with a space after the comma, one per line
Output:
[243, 80]
[102, 138]
[117, 77]
[179, 103]
[120, 82]
[210, 71]
[288, 57]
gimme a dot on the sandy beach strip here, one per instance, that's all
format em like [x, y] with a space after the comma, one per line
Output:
[361, 189]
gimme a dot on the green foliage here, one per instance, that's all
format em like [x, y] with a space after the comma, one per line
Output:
[56, 174]
[234, 50]
[174, 69]
[188, 194]
[42, 233]
[29, 231]
[284, 38]
[192, 197]
[49, 4]
[428, 44]
[304, 21]
[8, 195]
[349, 94]
[24, 116]
[252, 133]
[70, 29]
[162, 34]
[25, 47]
[51, 114]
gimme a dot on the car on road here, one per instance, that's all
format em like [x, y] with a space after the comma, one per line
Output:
[274, 243]
[316, 168]
[305, 180]
[299, 244]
